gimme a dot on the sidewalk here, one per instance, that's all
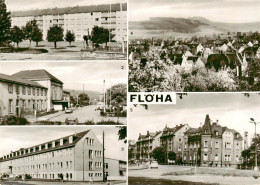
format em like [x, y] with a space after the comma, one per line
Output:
[45, 118]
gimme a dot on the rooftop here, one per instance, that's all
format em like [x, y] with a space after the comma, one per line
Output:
[70, 10]
[19, 81]
[66, 144]
[36, 75]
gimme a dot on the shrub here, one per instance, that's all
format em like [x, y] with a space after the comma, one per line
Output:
[14, 120]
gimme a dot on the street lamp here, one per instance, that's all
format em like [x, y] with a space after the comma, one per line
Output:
[83, 159]
[253, 121]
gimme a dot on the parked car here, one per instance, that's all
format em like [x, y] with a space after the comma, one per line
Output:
[71, 121]
[154, 164]
[68, 111]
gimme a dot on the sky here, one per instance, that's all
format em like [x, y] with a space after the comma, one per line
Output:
[75, 74]
[14, 138]
[232, 11]
[18, 5]
[232, 110]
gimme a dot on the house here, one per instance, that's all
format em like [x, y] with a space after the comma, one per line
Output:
[172, 139]
[47, 80]
[146, 144]
[212, 145]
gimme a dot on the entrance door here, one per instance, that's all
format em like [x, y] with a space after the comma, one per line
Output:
[17, 108]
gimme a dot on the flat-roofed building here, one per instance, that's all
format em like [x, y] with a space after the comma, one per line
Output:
[80, 19]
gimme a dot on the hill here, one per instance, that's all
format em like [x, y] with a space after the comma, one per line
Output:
[92, 94]
[165, 26]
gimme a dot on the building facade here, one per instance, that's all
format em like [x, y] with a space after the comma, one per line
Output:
[146, 144]
[54, 85]
[172, 139]
[80, 20]
[212, 145]
[20, 97]
[77, 157]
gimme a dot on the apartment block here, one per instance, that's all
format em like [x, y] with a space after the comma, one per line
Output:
[80, 20]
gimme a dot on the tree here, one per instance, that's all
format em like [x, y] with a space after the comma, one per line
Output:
[32, 32]
[100, 35]
[70, 37]
[55, 34]
[118, 94]
[5, 20]
[83, 99]
[159, 154]
[17, 35]
[172, 156]
[37, 36]
[122, 133]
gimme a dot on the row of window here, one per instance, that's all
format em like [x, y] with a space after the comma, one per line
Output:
[51, 166]
[26, 90]
[227, 158]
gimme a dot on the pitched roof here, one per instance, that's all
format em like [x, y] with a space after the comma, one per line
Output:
[36, 75]
[20, 81]
[70, 10]
[66, 144]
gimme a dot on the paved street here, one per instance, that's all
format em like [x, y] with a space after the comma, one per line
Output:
[84, 114]
[55, 183]
[163, 172]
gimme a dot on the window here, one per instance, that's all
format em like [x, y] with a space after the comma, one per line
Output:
[23, 90]
[41, 92]
[237, 146]
[205, 157]
[17, 89]
[90, 154]
[216, 144]
[33, 91]
[228, 145]
[106, 165]
[29, 90]
[10, 106]
[216, 157]
[38, 92]
[10, 88]
[91, 165]
[206, 144]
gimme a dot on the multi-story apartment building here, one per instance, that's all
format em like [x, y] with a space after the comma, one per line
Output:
[172, 139]
[53, 84]
[212, 145]
[20, 97]
[78, 157]
[80, 20]
[146, 144]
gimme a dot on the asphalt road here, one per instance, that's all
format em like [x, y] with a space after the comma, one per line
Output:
[87, 113]
[159, 176]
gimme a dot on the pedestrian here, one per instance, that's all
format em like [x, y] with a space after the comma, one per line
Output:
[91, 181]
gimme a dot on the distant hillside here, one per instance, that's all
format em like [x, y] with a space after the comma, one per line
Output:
[168, 23]
[192, 25]
[92, 94]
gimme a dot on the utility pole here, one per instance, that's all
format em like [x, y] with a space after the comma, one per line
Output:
[104, 179]
[104, 95]
[256, 167]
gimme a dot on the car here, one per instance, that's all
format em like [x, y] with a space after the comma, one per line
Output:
[154, 164]
[71, 121]
[68, 111]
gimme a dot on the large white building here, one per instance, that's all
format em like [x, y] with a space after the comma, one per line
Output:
[30, 90]
[80, 20]
[78, 157]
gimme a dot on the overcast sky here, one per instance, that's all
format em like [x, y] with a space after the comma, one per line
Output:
[14, 138]
[232, 110]
[234, 11]
[18, 5]
[75, 74]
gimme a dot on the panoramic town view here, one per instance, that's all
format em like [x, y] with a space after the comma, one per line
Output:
[63, 30]
[203, 139]
[51, 93]
[68, 154]
[175, 47]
